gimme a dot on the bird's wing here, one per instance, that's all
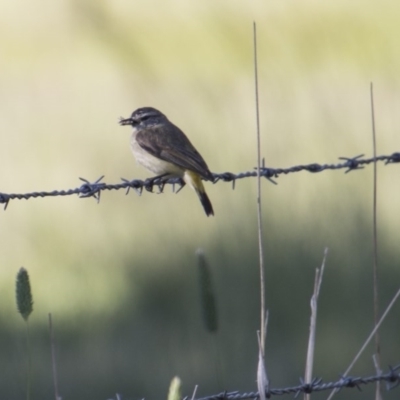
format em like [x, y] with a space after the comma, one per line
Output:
[173, 147]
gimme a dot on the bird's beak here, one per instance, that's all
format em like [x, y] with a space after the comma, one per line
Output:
[125, 121]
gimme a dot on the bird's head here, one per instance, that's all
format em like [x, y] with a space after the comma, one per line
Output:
[143, 116]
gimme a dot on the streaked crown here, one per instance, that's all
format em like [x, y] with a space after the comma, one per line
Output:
[144, 116]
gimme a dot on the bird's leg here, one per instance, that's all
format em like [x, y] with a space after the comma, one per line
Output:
[182, 183]
[149, 182]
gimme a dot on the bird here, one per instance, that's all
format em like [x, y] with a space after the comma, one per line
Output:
[162, 148]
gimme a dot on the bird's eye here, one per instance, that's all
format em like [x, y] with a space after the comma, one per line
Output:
[145, 117]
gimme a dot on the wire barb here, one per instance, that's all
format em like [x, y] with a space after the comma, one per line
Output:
[136, 185]
[394, 378]
[352, 163]
[394, 158]
[89, 189]
[350, 382]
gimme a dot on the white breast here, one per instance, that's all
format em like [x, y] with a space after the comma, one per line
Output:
[153, 164]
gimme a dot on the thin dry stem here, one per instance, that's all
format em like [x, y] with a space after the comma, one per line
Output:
[313, 323]
[262, 378]
[53, 358]
[29, 362]
[378, 395]
[377, 367]
[194, 392]
[260, 247]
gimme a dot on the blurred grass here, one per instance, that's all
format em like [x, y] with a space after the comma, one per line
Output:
[119, 276]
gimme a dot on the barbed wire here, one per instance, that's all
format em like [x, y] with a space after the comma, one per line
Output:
[392, 379]
[94, 189]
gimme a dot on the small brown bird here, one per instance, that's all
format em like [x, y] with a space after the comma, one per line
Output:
[164, 149]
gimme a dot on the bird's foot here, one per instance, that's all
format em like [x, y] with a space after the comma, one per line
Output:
[155, 180]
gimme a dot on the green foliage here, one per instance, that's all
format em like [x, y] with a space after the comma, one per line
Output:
[207, 294]
[175, 389]
[24, 294]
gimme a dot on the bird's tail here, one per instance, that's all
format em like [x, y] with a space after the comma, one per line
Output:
[194, 181]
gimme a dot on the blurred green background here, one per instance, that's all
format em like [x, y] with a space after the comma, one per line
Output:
[119, 277]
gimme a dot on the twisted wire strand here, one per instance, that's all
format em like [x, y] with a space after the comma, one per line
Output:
[94, 189]
[392, 379]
